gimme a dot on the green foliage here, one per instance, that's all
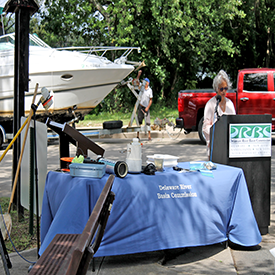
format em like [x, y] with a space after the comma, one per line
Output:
[21, 239]
[121, 99]
[178, 38]
[158, 110]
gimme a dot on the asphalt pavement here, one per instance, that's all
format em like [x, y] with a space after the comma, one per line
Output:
[213, 259]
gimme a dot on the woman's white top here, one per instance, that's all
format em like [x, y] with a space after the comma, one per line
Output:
[210, 117]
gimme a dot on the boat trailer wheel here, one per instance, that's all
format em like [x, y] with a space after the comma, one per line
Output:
[114, 124]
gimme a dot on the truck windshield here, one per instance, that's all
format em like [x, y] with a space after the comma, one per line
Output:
[255, 82]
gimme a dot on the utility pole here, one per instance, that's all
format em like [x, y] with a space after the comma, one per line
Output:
[23, 9]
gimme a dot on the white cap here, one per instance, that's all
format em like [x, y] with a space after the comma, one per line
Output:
[135, 140]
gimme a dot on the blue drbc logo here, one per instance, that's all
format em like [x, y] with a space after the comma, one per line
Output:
[250, 131]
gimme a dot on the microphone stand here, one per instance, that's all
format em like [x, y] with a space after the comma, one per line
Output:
[46, 102]
[212, 140]
[218, 117]
[216, 109]
[34, 108]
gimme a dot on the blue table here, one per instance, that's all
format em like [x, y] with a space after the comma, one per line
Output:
[164, 211]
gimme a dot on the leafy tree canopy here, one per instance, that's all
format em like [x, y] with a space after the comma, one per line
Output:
[178, 38]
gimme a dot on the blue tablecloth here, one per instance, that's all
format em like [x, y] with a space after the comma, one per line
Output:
[164, 211]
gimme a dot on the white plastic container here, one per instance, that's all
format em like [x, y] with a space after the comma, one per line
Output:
[90, 170]
[133, 157]
[168, 160]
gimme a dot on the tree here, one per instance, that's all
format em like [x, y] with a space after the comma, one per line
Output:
[178, 38]
[253, 35]
[264, 27]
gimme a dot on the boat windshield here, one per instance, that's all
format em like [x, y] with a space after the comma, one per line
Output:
[7, 42]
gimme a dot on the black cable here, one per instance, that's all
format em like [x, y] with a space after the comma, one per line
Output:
[100, 265]
[11, 240]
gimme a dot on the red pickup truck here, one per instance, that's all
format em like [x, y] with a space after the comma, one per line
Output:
[254, 95]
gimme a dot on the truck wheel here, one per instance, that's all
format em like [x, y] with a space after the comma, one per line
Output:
[201, 135]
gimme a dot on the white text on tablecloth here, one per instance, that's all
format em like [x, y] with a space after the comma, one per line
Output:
[173, 194]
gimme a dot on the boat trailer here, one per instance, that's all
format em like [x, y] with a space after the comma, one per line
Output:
[115, 128]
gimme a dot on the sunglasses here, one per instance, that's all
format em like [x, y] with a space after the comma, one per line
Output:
[225, 88]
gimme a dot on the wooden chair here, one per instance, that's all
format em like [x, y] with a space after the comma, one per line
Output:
[71, 253]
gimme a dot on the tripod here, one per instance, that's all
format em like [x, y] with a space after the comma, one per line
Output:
[4, 255]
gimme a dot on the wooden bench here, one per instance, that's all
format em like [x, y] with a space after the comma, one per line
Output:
[71, 253]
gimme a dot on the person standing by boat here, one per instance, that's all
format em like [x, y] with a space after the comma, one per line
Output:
[144, 106]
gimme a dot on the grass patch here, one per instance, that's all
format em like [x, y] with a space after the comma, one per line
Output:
[20, 236]
[157, 111]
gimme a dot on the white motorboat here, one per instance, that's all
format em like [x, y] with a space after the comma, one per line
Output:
[78, 77]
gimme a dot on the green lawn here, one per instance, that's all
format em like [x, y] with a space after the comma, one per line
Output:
[156, 112]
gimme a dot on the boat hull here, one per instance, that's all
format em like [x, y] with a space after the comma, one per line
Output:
[76, 80]
[85, 90]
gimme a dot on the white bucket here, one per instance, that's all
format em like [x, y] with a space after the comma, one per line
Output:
[133, 158]
[134, 150]
[134, 165]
